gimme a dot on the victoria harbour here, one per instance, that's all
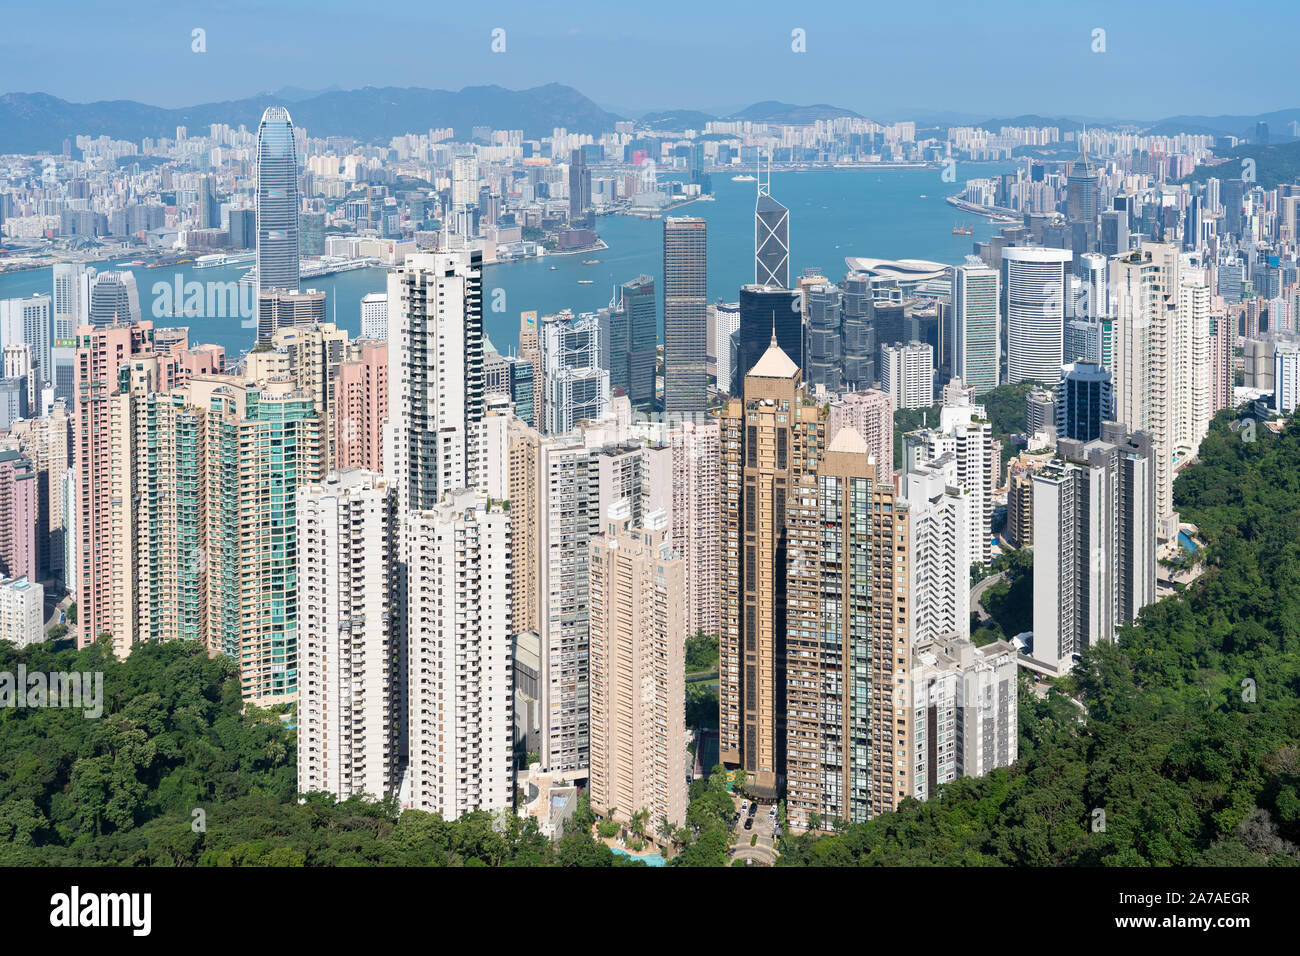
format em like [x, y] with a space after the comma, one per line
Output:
[890, 213]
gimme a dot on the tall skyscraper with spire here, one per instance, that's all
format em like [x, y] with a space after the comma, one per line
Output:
[771, 236]
[277, 202]
[770, 439]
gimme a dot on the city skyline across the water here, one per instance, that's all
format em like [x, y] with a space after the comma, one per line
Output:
[894, 213]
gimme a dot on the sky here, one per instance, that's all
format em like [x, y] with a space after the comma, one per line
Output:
[886, 59]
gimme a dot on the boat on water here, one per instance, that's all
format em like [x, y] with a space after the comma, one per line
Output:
[591, 262]
[585, 281]
[552, 268]
[743, 178]
[137, 262]
[960, 230]
[923, 195]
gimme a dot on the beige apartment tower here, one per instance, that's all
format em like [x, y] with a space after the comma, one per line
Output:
[771, 437]
[638, 646]
[848, 647]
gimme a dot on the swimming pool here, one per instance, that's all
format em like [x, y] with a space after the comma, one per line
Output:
[650, 859]
[1186, 541]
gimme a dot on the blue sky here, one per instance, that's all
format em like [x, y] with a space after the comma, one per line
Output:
[883, 58]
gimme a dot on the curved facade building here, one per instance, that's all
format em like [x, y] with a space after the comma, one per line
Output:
[277, 202]
[114, 299]
[1035, 281]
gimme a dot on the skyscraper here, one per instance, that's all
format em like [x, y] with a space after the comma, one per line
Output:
[579, 184]
[264, 440]
[350, 699]
[460, 700]
[1094, 543]
[847, 647]
[374, 316]
[435, 375]
[359, 407]
[963, 434]
[771, 237]
[567, 516]
[907, 374]
[764, 309]
[71, 308]
[19, 503]
[770, 439]
[637, 301]
[577, 386]
[975, 340]
[638, 641]
[871, 412]
[277, 202]
[101, 352]
[695, 518]
[859, 331]
[1162, 361]
[1035, 312]
[823, 336]
[279, 309]
[1083, 401]
[114, 299]
[724, 321]
[685, 321]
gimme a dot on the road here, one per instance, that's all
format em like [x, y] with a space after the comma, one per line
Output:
[977, 594]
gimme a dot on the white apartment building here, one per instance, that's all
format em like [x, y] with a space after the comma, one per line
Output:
[22, 611]
[907, 374]
[965, 710]
[939, 569]
[460, 705]
[435, 376]
[976, 453]
[348, 698]
[374, 315]
[696, 522]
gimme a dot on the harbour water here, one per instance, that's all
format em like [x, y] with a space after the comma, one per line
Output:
[886, 213]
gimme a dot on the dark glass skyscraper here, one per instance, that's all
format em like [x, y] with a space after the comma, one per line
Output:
[859, 332]
[825, 348]
[762, 310]
[1083, 401]
[637, 302]
[686, 381]
[277, 202]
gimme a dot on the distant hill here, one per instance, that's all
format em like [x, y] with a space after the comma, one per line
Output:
[1031, 119]
[772, 111]
[676, 119]
[1241, 126]
[32, 122]
[1273, 165]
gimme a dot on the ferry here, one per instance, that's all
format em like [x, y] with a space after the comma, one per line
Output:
[743, 178]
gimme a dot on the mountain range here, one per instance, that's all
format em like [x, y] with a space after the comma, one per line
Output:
[36, 122]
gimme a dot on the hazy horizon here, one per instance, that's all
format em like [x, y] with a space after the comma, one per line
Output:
[988, 60]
